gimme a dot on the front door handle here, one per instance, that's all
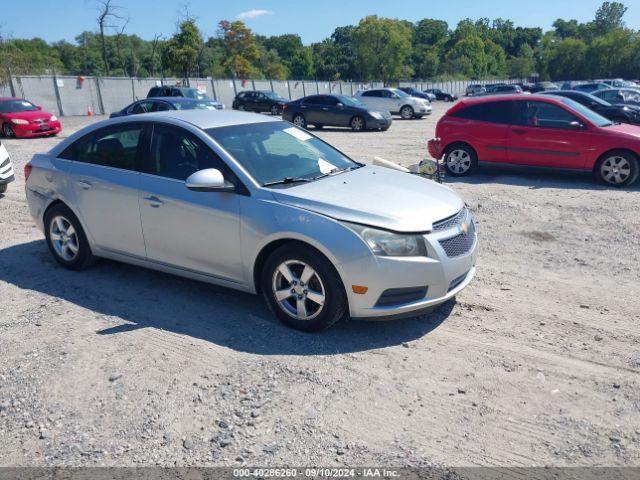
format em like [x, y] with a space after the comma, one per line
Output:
[519, 131]
[154, 201]
[84, 184]
[325, 108]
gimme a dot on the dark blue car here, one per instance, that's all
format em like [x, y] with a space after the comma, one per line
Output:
[161, 104]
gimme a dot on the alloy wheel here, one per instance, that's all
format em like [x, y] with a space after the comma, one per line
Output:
[298, 121]
[615, 170]
[64, 238]
[298, 290]
[459, 161]
[7, 131]
[406, 112]
[274, 110]
[357, 124]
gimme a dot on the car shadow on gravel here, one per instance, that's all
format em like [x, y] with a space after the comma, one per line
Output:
[535, 179]
[144, 298]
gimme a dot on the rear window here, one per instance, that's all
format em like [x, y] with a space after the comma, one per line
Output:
[492, 112]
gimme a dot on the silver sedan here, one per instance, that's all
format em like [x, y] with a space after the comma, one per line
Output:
[256, 204]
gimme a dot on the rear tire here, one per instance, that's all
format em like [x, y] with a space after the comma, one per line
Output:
[460, 160]
[3, 187]
[299, 121]
[617, 168]
[302, 288]
[275, 110]
[66, 239]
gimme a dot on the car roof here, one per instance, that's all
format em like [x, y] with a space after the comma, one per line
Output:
[177, 99]
[6, 99]
[497, 98]
[205, 119]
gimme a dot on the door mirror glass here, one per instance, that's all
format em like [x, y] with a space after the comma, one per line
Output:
[208, 180]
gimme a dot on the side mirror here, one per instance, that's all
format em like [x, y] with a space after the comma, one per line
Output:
[208, 180]
[39, 107]
[575, 125]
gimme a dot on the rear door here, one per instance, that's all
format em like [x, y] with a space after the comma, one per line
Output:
[106, 184]
[330, 114]
[545, 134]
[195, 231]
[486, 127]
[373, 99]
[312, 107]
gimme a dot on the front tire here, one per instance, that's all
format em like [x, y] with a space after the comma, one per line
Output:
[7, 131]
[617, 168]
[302, 288]
[299, 121]
[66, 239]
[3, 187]
[460, 160]
[275, 110]
[358, 124]
[407, 112]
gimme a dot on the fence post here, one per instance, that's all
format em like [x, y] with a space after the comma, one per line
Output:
[133, 90]
[235, 91]
[271, 84]
[317, 87]
[11, 87]
[289, 88]
[304, 91]
[253, 84]
[57, 92]
[213, 89]
[99, 92]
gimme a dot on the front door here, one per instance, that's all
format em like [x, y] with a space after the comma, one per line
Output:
[194, 231]
[544, 134]
[105, 183]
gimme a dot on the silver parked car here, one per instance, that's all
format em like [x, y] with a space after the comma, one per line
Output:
[6, 169]
[256, 204]
[394, 101]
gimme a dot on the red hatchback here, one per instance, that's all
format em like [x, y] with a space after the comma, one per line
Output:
[20, 118]
[536, 131]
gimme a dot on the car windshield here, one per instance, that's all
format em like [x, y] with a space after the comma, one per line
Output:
[400, 93]
[589, 114]
[273, 95]
[280, 152]
[195, 105]
[17, 106]
[350, 101]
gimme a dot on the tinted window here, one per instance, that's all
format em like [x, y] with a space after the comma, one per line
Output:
[142, 107]
[115, 147]
[328, 100]
[154, 92]
[176, 153]
[493, 112]
[542, 114]
[312, 100]
[160, 107]
[372, 93]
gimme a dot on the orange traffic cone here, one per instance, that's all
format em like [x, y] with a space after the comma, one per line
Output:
[89, 112]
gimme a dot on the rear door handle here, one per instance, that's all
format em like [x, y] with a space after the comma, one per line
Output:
[84, 184]
[325, 108]
[154, 201]
[519, 131]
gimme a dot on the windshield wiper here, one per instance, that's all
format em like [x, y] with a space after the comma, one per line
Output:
[336, 170]
[287, 180]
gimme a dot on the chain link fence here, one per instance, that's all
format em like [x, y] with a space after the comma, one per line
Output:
[80, 95]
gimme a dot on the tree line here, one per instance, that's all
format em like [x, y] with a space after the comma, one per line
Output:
[375, 49]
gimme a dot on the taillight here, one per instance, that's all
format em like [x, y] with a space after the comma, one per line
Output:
[27, 171]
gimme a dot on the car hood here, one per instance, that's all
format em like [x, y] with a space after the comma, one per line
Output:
[628, 130]
[29, 115]
[376, 196]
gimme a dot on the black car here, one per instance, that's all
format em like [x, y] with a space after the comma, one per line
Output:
[167, 103]
[627, 96]
[259, 101]
[544, 86]
[500, 89]
[417, 93]
[615, 113]
[174, 91]
[442, 95]
[336, 111]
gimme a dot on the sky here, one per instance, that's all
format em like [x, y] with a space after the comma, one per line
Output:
[313, 20]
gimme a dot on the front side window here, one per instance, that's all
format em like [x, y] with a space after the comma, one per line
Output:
[115, 147]
[273, 151]
[176, 153]
[141, 107]
[17, 106]
[542, 114]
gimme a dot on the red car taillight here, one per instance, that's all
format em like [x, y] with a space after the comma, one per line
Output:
[27, 171]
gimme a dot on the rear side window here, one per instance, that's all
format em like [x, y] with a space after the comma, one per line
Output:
[542, 114]
[372, 93]
[492, 112]
[115, 147]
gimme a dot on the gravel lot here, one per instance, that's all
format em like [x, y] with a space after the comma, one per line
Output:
[537, 363]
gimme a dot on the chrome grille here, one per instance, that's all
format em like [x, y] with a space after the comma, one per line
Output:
[451, 222]
[459, 244]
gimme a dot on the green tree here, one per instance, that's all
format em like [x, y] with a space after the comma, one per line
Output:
[180, 53]
[523, 65]
[382, 46]
[468, 57]
[566, 60]
[609, 17]
[240, 49]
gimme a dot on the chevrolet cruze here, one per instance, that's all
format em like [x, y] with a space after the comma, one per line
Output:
[257, 204]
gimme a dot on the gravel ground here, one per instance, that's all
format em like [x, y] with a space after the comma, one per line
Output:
[537, 363]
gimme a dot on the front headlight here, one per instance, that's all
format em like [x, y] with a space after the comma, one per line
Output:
[376, 115]
[388, 244]
[19, 121]
[53, 118]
